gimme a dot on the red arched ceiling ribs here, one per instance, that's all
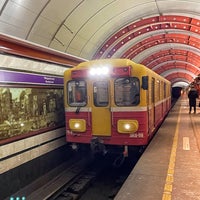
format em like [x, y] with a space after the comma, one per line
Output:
[167, 58]
[168, 52]
[185, 25]
[177, 65]
[159, 40]
[145, 26]
[173, 76]
[179, 80]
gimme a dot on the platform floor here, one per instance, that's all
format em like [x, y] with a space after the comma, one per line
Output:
[169, 169]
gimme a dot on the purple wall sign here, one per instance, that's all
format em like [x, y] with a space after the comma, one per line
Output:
[29, 78]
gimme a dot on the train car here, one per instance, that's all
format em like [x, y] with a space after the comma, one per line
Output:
[114, 103]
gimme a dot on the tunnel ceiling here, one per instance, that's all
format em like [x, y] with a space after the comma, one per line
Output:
[164, 35]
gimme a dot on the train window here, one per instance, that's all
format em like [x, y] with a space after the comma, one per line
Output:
[153, 90]
[100, 92]
[157, 90]
[165, 90]
[127, 91]
[145, 82]
[77, 93]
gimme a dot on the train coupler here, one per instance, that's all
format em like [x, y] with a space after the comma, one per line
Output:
[97, 146]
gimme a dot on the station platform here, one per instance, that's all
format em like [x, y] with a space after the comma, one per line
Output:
[169, 168]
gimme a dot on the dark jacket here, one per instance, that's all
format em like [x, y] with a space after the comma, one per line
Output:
[192, 95]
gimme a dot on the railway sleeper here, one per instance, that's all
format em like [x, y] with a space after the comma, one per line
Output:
[76, 189]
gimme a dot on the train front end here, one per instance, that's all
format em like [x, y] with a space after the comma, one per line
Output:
[105, 104]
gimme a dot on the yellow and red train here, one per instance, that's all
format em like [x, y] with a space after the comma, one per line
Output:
[114, 102]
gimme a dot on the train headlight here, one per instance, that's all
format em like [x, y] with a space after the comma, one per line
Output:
[99, 71]
[77, 125]
[127, 126]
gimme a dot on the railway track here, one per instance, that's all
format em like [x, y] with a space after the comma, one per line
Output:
[69, 184]
[100, 179]
[55, 183]
[86, 178]
[75, 189]
[82, 179]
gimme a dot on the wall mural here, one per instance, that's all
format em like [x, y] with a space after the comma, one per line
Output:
[30, 109]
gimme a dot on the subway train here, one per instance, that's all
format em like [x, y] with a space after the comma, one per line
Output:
[112, 103]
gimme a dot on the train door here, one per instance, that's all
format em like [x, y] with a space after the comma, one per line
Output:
[152, 107]
[101, 115]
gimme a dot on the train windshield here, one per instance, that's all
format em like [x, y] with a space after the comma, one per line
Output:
[77, 93]
[127, 91]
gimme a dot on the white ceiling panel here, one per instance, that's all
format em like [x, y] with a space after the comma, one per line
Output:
[179, 6]
[43, 31]
[108, 28]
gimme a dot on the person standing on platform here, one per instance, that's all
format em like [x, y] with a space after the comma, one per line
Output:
[192, 95]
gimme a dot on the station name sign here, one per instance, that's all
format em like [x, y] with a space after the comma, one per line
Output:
[7, 76]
